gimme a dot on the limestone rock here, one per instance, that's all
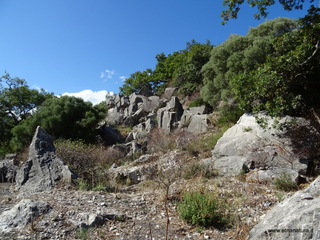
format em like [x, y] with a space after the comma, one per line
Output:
[169, 116]
[8, 168]
[297, 217]
[22, 214]
[198, 124]
[114, 117]
[146, 167]
[247, 145]
[43, 169]
[269, 175]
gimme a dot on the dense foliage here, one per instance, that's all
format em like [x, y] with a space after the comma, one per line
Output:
[274, 68]
[239, 54]
[62, 117]
[203, 209]
[234, 6]
[17, 102]
[289, 81]
[181, 69]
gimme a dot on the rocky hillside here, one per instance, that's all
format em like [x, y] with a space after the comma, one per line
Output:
[257, 182]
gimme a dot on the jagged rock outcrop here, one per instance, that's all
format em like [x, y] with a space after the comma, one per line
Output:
[43, 170]
[297, 217]
[145, 112]
[22, 214]
[289, 143]
[8, 168]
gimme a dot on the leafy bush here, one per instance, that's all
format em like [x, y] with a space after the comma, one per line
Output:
[285, 183]
[196, 103]
[203, 145]
[239, 54]
[87, 161]
[203, 209]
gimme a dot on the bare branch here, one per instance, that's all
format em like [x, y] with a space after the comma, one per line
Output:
[313, 54]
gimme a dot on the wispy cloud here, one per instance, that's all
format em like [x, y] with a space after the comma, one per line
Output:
[122, 78]
[107, 74]
[91, 96]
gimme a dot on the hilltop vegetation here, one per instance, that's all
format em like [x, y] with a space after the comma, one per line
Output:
[274, 68]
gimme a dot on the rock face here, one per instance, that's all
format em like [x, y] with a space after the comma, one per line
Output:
[145, 112]
[289, 143]
[43, 169]
[22, 214]
[297, 217]
[8, 168]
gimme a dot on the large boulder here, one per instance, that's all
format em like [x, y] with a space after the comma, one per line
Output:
[198, 124]
[168, 117]
[43, 170]
[283, 143]
[110, 136]
[297, 217]
[22, 214]
[114, 117]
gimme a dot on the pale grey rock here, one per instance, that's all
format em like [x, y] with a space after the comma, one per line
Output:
[200, 110]
[168, 117]
[114, 117]
[269, 175]
[247, 145]
[22, 214]
[146, 167]
[297, 217]
[168, 93]
[198, 124]
[124, 102]
[43, 170]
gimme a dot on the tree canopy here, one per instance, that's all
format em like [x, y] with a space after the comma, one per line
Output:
[181, 69]
[289, 81]
[17, 102]
[240, 54]
[234, 6]
[62, 117]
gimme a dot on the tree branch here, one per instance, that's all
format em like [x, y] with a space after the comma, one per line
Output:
[313, 54]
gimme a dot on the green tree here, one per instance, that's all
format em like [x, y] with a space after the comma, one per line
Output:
[137, 81]
[237, 55]
[62, 117]
[288, 82]
[187, 76]
[17, 101]
[181, 69]
[234, 6]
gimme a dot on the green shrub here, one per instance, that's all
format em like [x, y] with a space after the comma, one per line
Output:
[86, 160]
[203, 209]
[82, 184]
[196, 103]
[204, 145]
[285, 183]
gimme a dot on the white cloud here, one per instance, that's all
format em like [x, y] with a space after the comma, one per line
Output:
[107, 74]
[123, 78]
[90, 96]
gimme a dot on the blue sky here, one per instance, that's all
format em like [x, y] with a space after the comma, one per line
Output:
[68, 46]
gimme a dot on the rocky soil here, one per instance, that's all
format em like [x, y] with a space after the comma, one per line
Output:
[138, 212]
